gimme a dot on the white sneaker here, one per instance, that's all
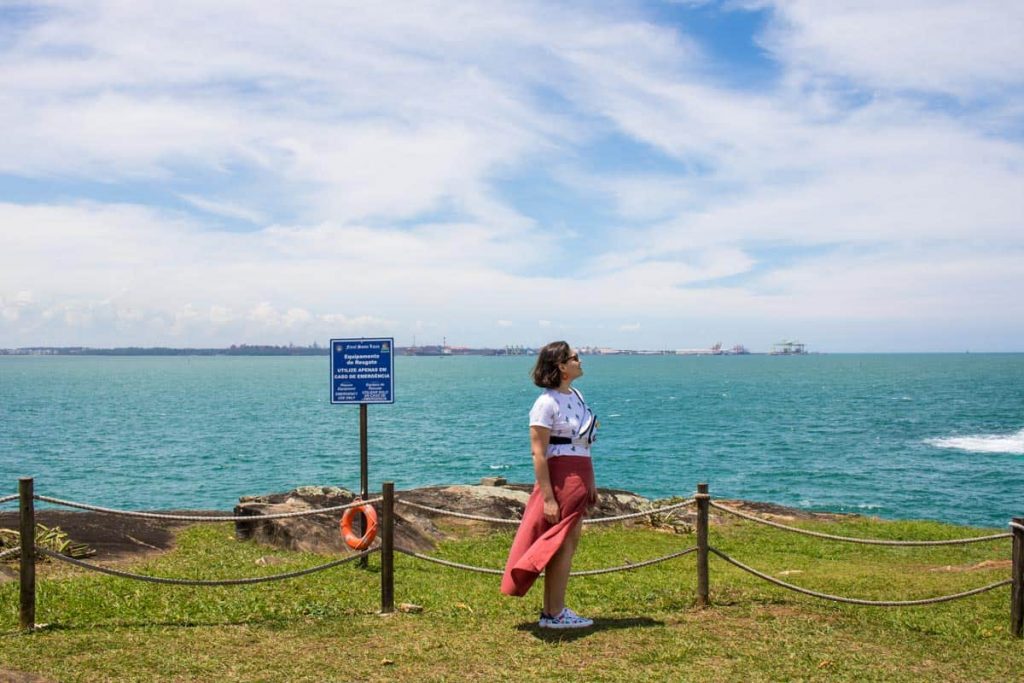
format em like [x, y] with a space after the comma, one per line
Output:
[565, 619]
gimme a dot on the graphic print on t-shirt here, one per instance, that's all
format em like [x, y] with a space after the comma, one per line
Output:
[564, 415]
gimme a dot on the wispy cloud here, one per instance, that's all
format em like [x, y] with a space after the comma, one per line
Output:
[949, 47]
[226, 209]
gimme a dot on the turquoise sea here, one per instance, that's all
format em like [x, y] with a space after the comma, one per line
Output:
[899, 436]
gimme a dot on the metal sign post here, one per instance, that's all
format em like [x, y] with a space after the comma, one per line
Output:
[362, 372]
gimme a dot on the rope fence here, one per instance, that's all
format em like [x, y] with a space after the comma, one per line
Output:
[200, 582]
[585, 572]
[850, 539]
[642, 513]
[205, 518]
[387, 548]
[460, 515]
[858, 601]
[636, 565]
[449, 563]
[515, 521]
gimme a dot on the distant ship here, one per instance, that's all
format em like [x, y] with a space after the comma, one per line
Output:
[788, 348]
[715, 350]
[442, 350]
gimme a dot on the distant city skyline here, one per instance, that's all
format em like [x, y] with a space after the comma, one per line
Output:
[658, 174]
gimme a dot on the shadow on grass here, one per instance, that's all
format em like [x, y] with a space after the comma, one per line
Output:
[561, 635]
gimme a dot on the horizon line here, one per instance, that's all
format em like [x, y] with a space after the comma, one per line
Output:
[506, 350]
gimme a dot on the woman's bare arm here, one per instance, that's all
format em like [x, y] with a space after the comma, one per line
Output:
[539, 439]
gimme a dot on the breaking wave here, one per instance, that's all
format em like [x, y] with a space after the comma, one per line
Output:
[983, 443]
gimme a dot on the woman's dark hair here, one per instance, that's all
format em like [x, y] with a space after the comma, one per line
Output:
[546, 372]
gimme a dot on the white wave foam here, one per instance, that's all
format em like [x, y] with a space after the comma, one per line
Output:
[983, 443]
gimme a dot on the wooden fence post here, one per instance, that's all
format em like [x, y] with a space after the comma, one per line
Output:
[27, 559]
[1017, 574]
[703, 500]
[387, 550]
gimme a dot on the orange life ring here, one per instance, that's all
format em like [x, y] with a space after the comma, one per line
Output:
[357, 542]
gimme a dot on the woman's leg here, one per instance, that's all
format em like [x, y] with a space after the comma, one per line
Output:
[556, 574]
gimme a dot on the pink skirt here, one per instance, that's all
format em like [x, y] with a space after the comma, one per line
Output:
[537, 541]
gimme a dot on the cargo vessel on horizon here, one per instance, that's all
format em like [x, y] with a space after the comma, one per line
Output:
[788, 348]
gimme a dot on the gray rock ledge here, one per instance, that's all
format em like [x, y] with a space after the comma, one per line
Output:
[421, 530]
[415, 529]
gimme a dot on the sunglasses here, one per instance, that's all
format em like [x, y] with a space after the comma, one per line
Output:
[575, 357]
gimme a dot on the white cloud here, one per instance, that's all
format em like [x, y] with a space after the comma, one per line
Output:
[220, 315]
[388, 189]
[964, 49]
[326, 99]
[225, 208]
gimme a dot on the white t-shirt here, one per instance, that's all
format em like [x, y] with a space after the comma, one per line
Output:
[563, 414]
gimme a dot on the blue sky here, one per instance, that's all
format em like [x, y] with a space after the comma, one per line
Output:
[652, 175]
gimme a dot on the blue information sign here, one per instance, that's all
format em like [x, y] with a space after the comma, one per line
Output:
[362, 370]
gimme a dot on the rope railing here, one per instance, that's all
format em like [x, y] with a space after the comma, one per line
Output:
[202, 582]
[635, 565]
[642, 513]
[387, 548]
[851, 539]
[859, 601]
[460, 515]
[206, 518]
[502, 520]
[448, 563]
[584, 572]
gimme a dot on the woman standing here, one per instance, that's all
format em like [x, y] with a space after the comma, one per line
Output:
[562, 428]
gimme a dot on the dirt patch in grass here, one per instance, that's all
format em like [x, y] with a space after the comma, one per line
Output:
[114, 537]
[9, 676]
[980, 566]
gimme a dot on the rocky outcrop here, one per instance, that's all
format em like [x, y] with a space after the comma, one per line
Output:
[415, 529]
[314, 533]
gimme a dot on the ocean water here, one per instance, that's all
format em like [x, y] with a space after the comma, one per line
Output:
[899, 436]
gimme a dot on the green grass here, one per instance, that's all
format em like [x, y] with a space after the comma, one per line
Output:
[326, 627]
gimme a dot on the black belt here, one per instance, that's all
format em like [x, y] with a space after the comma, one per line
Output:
[560, 441]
